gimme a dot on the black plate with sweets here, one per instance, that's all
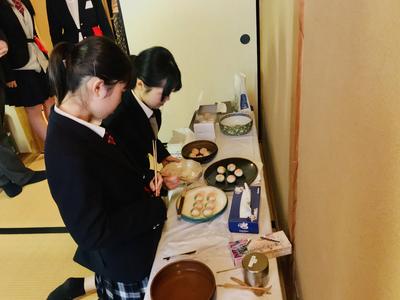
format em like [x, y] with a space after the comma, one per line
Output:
[227, 173]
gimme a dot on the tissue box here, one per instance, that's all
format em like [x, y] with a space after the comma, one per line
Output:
[244, 225]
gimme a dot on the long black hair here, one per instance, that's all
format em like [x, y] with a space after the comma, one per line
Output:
[156, 67]
[69, 64]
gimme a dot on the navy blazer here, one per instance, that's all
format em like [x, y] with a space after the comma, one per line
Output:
[62, 25]
[18, 53]
[130, 126]
[101, 198]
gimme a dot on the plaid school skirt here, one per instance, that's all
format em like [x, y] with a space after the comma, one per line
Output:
[107, 289]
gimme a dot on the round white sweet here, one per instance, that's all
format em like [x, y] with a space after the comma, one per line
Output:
[220, 178]
[221, 170]
[207, 212]
[231, 178]
[195, 151]
[195, 212]
[198, 205]
[238, 172]
[210, 205]
[231, 167]
[199, 197]
[211, 197]
[204, 151]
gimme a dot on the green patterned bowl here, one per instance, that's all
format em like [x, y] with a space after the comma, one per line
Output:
[236, 123]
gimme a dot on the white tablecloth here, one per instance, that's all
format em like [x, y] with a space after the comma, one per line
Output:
[211, 239]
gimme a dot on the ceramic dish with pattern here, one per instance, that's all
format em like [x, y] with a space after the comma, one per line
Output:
[227, 167]
[203, 204]
[236, 123]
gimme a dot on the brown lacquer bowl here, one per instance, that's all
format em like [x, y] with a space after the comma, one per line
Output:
[183, 280]
[210, 148]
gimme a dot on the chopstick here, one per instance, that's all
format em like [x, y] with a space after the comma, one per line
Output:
[181, 201]
[226, 270]
[269, 239]
[175, 255]
[238, 281]
[154, 142]
[250, 288]
[242, 283]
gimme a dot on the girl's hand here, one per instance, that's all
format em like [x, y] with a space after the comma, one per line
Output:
[3, 48]
[12, 84]
[171, 182]
[156, 189]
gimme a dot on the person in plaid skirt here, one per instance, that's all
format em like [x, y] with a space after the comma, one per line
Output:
[110, 206]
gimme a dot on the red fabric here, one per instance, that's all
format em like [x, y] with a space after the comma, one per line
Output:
[40, 45]
[18, 5]
[97, 31]
[109, 139]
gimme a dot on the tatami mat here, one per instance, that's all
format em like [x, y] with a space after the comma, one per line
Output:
[34, 207]
[32, 265]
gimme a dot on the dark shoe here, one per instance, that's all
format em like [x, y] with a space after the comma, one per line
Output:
[12, 189]
[70, 289]
[37, 176]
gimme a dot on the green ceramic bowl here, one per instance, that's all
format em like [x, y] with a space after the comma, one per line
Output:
[236, 123]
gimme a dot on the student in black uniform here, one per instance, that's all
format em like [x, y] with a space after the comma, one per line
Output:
[136, 121]
[106, 203]
[73, 20]
[25, 64]
[155, 76]
[13, 174]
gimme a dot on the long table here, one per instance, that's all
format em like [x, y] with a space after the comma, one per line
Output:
[211, 239]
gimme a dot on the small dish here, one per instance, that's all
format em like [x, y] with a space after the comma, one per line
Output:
[188, 151]
[236, 124]
[183, 280]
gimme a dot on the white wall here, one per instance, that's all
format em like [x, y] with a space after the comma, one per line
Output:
[204, 37]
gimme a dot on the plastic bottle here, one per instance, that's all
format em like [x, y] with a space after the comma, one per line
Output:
[241, 98]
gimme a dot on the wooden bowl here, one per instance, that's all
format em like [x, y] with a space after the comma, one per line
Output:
[183, 280]
[210, 146]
